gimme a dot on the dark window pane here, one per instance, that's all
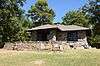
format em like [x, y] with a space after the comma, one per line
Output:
[72, 36]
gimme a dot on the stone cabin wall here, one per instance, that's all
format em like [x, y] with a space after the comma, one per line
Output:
[60, 44]
[82, 38]
[60, 37]
[33, 35]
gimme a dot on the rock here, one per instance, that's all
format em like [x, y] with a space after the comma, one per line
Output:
[61, 47]
[42, 46]
[79, 47]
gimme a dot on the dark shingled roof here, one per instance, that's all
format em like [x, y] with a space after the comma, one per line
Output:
[60, 27]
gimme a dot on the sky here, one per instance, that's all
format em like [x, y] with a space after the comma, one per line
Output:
[60, 7]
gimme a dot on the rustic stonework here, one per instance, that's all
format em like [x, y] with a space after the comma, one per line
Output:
[83, 38]
[29, 46]
[34, 36]
[52, 35]
[56, 41]
[61, 36]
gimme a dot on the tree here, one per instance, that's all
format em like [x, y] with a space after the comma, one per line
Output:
[41, 14]
[22, 34]
[76, 18]
[92, 9]
[11, 20]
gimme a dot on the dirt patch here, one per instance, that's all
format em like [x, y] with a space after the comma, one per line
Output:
[39, 63]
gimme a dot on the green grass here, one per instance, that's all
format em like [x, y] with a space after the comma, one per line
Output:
[67, 58]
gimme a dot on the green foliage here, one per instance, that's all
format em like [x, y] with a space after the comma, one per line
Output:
[41, 14]
[11, 20]
[22, 35]
[92, 9]
[76, 18]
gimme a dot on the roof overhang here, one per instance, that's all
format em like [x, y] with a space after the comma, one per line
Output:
[60, 27]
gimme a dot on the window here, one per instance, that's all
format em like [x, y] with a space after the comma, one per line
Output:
[42, 35]
[72, 36]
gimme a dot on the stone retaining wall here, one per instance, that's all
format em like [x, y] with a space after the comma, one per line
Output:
[40, 45]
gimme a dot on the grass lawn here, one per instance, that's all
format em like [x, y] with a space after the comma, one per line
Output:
[68, 58]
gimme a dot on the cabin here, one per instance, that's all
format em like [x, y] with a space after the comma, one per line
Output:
[72, 35]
